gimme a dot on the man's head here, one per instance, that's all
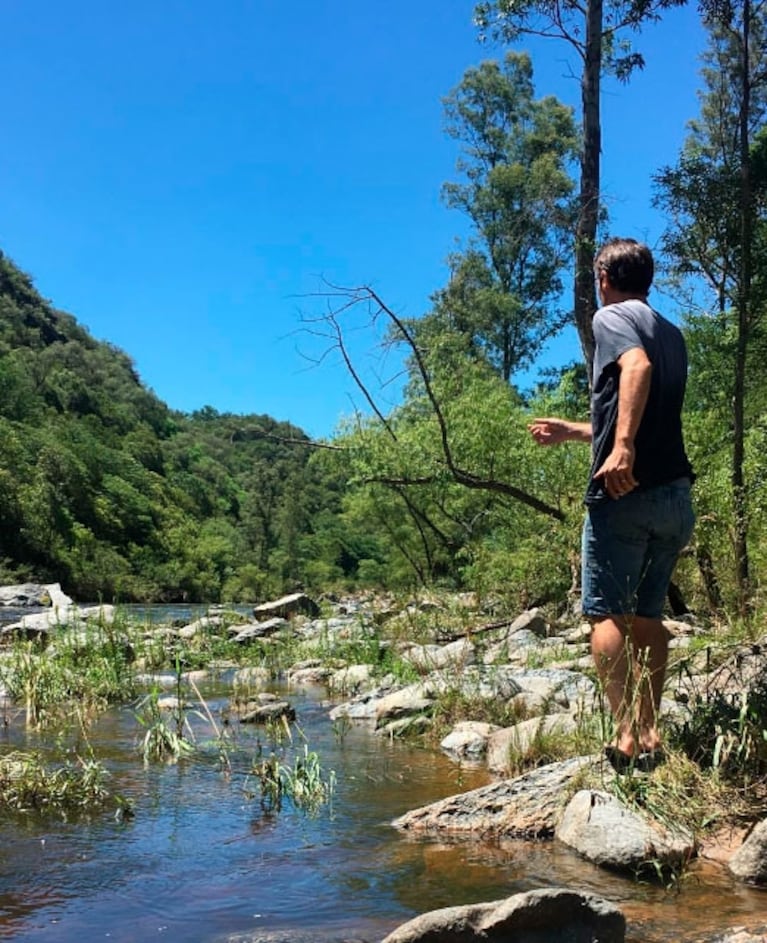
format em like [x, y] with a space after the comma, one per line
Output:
[626, 266]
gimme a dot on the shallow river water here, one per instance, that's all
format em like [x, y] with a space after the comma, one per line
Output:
[203, 859]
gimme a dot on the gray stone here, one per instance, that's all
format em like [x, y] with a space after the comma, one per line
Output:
[598, 827]
[742, 935]
[562, 686]
[530, 621]
[749, 863]
[434, 657]
[385, 703]
[33, 594]
[310, 675]
[521, 737]
[488, 682]
[265, 708]
[258, 630]
[468, 740]
[287, 606]
[526, 807]
[549, 915]
[202, 626]
[351, 680]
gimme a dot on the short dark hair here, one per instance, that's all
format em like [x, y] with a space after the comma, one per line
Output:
[628, 265]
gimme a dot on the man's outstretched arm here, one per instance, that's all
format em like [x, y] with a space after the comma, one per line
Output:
[552, 431]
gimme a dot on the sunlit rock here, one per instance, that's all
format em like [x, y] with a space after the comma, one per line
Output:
[603, 830]
[529, 806]
[749, 863]
[287, 606]
[468, 740]
[548, 915]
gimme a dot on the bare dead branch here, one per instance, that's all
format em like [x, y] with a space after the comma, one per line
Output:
[366, 296]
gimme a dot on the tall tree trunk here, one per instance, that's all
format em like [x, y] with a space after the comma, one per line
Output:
[586, 232]
[744, 303]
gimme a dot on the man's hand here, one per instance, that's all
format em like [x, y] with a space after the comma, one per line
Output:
[617, 472]
[551, 431]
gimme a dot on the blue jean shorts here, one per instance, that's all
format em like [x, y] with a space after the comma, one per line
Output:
[630, 547]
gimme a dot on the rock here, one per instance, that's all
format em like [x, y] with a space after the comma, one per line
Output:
[520, 738]
[749, 863]
[309, 675]
[385, 703]
[526, 807]
[742, 935]
[350, 680]
[530, 621]
[496, 682]
[435, 657]
[287, 606]
[258, 630]
[38, 624]
[414, 725]
[200, 626]
[33, 594]
[598, 827]
[549, 915]
[164, 681]
[265, 708]
[468, 740]
[404, 703]
[580, 634]
[560, 686]
[520, 644]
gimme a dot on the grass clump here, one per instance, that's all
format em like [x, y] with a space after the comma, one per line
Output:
[28, 785]
[304, 782]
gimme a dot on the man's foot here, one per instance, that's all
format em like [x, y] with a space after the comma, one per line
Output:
[634, 762]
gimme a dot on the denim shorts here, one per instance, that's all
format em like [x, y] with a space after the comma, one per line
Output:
[630, 547]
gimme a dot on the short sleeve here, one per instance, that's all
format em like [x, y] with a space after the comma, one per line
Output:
[614, 333]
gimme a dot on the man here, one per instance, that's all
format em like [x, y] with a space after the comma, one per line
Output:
[638, 509]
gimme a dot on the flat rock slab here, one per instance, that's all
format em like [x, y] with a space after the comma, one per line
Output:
[528, 806]
[287, 606]
[243, 634]
[551, 915]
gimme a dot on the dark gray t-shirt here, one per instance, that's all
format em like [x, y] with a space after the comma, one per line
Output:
[660, 454]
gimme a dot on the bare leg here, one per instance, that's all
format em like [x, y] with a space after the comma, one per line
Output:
[651, 652]
[612, 651]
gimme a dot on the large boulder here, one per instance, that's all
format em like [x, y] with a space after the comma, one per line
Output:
[603, 830]
[33, 594]
[549, 915]
[529, 806]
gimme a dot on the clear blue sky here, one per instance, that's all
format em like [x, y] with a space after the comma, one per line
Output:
[179, 173]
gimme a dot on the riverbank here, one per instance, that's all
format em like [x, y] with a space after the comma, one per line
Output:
[423, 670]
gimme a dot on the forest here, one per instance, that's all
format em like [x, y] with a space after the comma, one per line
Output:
[110, 492]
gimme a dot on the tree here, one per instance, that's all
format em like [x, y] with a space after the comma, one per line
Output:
[595, 30]
[517, 192]
[716, 198]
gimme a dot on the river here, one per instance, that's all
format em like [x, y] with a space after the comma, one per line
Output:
[204, 860]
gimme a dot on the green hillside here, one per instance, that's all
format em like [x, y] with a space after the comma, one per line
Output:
[107, 490]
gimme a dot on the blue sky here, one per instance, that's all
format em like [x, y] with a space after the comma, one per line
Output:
[180, 175]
